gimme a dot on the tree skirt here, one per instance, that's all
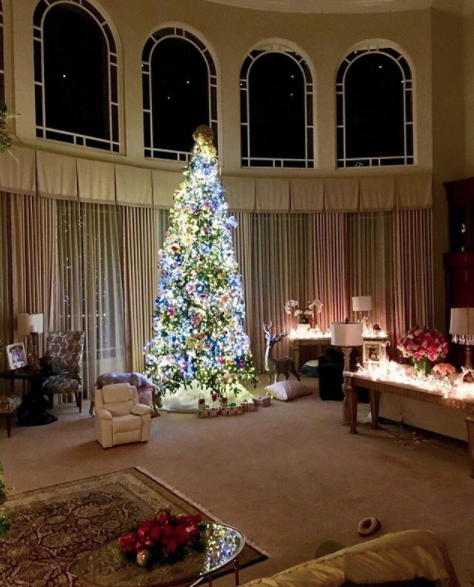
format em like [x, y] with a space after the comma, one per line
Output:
[186, 400]
[52, 528]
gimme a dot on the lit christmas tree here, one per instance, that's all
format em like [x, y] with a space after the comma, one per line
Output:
[199, 341]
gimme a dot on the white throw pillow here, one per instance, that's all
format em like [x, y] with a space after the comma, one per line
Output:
[286, 390]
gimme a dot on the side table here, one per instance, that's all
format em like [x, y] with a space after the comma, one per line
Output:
[32, 412]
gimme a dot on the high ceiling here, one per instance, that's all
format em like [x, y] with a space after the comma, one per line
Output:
[351, 6]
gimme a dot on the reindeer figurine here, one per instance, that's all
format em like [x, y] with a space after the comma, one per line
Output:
[282, 366]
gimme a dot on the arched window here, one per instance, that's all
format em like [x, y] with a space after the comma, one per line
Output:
[374, 109]
[179, 92]
[76, 83]
[2, 56]
[276, 109]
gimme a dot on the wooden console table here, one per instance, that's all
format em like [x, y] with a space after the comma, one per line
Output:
[319, 343]
[355, 381]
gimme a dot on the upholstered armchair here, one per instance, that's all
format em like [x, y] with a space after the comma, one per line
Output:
[119, 418]
[64, 354]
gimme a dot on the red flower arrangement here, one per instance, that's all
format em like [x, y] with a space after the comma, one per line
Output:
[420, 343]
[166, 537]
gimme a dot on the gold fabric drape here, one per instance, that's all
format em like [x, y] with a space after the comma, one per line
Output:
[35, 259]
[94, 267]
[413, 270]
[143, 234]
[6, 316]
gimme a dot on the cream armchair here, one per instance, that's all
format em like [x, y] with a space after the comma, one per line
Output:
[120, 419]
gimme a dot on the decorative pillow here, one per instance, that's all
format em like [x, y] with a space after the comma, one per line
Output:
[286, 390]
[310, 368]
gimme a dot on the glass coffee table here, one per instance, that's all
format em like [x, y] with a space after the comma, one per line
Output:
[107, 566]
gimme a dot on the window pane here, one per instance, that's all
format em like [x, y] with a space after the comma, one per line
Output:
[374, 107]
[277, 108]
[180, 93]
[76, 72]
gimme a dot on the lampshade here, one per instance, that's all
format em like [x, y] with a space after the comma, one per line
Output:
[346, 334]
[362, 303]
[28, 323]
[462, 321]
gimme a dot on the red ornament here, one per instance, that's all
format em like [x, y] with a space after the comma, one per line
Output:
[128, 542]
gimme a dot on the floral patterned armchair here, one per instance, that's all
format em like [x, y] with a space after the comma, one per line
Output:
[64, 352]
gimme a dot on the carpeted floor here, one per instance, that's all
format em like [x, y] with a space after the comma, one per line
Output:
[52, 528]
[288, 476]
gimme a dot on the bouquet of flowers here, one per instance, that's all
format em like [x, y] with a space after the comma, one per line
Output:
[419, 343]
[166, 538]
[292, 307]
[444, 369]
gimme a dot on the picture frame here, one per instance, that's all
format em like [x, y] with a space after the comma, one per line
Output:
[372, 351]
[16, 355]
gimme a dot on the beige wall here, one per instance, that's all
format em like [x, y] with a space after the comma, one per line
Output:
[448, 136]
[432, 40]
[469, 92]
[231, 33]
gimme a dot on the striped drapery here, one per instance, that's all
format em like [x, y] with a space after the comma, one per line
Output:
[94, 267]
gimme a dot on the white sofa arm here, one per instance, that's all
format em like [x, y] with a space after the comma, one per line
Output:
[140, 410]
[104, 414]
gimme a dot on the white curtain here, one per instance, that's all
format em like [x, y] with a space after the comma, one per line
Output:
[91, 284]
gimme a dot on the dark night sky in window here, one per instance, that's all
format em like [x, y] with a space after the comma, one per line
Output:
[374, 108]
[277, 108]
[76, 73]
[180, 93]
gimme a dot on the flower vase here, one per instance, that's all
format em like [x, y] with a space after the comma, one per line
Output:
[422, 366]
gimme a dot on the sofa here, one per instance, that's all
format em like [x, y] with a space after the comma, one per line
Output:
[120, 418]
[413, 558]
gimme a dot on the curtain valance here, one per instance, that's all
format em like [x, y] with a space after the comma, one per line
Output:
[60, 176]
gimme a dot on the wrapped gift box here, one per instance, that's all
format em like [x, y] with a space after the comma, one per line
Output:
[208, 412]
[263, 400]
[231, 411]
[248, 406]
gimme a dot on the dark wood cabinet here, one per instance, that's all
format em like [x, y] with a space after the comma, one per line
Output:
[460, 196]
[459, 262]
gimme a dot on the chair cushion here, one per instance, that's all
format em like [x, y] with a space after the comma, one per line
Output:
[118, 392]
[126, 423]
[9, 403]
[60, 384]
[119, 408]
[287, 390]
[310, 368]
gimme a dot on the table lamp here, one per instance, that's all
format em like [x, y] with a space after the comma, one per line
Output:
[462, 330]
[346, 335]
[362, 303]
[31, 325]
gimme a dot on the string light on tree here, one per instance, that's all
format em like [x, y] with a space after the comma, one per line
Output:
[199, 335]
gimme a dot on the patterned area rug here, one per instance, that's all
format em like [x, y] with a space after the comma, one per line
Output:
[52, 528]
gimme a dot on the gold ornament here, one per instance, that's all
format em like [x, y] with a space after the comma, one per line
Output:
[143, 557]
[203, 135]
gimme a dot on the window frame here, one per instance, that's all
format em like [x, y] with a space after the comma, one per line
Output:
[113, 144]
[309, 117]
[406, 69]
[167, 32]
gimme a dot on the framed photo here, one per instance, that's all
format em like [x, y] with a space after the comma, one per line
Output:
[372, 351]
[16, 355]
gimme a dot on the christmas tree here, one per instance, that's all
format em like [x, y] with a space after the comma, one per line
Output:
[199, 339]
